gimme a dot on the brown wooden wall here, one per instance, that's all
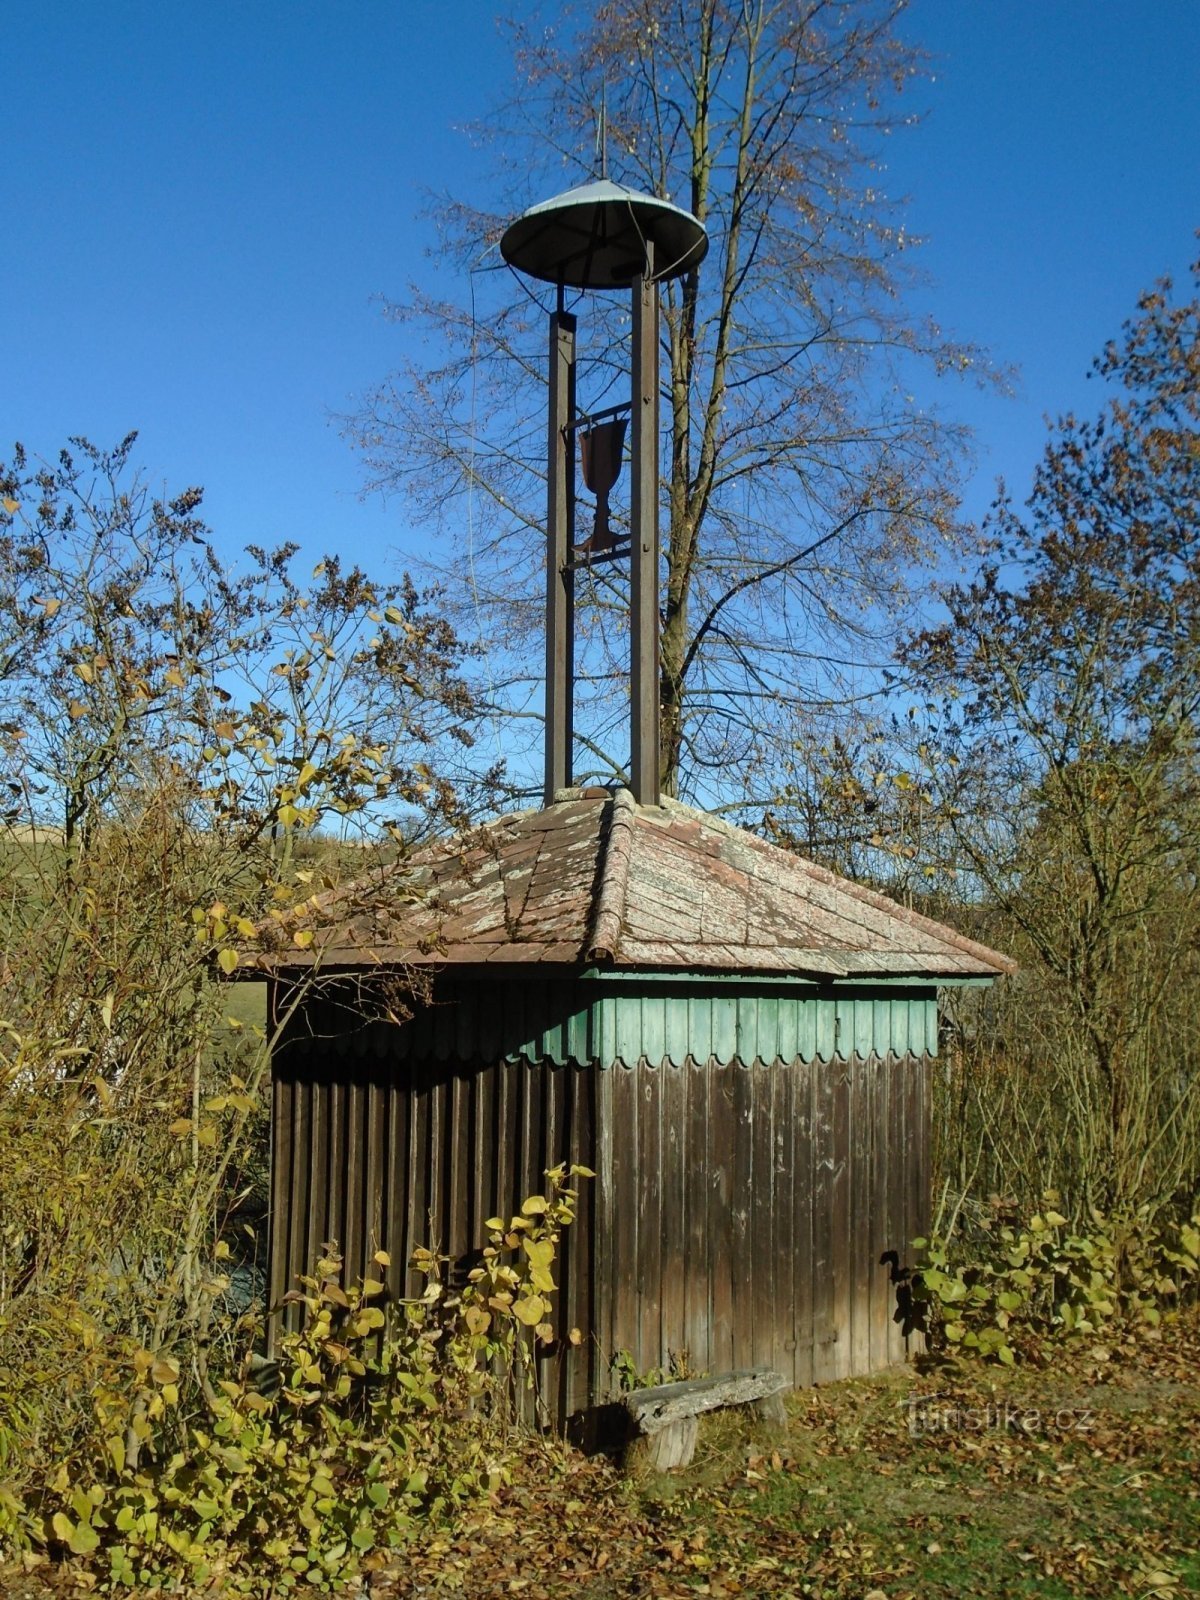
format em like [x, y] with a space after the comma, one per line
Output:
[743, 1213]
[373, 1153]
[739, 1214]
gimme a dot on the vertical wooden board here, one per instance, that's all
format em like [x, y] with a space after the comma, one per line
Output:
[396, 1212]
[352, 1192]
[525, 1164]
[302, 1185]
[782, 1355]
[846, 1136]
[315, 1178]
[724, 1027]
[447, 1139]
[862, 1156]
[762, 1241]
[925, 1167]
[654, 1028]
[804, 1189]
[484, 1081]
[502, 1140]
[806, 1013]
[674, 1209]
[898, 1176]
[329, 1224]
[603, 1268]
[744, 1261]
[693, 1146]
[916, 1226]
[722, 1198]
[648, 1200]
[460, 1236]
[880, 1214]
[417, 1208]
[576, 1300]
[828, 1198]
[700, 1027]
[677, 1011]
[281, 1188]
[825, 1017]
[628, 1029]
[375, 1177]
[768, 1008]
[626, 1140]
[924, 1068]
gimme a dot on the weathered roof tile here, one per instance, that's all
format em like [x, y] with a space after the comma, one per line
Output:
[603, 880]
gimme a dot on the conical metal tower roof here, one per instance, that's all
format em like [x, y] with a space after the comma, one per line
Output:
[594, 237]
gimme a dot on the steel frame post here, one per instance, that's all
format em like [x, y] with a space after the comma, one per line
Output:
[560, 540]
[644, 653]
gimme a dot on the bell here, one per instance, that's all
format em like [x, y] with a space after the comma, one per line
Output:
[601, 448]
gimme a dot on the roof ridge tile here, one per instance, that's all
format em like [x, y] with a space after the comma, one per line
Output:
[608, 915]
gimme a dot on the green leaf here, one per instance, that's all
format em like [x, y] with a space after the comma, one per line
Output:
[84, 1540]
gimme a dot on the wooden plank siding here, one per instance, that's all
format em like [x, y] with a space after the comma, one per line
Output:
[741, 1214]
[812, 1175]
[392, 1156]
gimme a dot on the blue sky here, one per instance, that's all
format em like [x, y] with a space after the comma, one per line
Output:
[204, 202]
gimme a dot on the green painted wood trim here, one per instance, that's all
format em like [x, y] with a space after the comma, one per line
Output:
[573, 1022]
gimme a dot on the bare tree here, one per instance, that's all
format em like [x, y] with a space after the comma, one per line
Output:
[804, 479]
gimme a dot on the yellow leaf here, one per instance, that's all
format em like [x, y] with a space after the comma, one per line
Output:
[382, 1258]
[496, 1224]
[303, 938]
[181, 1127]
[83, 671]
[76, 709]
[206, 1134]
[174, 677]
[535, 1205]
[227, 960]
[477, 1319]
[10, 505]
[165, 1370]
[529, 1309]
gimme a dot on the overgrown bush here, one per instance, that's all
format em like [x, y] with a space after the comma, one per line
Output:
[1011, 1288]
[380, 1423]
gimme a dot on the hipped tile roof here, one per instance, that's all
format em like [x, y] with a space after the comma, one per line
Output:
[597, 880]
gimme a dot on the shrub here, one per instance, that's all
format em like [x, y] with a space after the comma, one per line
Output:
[380, 1423]
[1020, 1285]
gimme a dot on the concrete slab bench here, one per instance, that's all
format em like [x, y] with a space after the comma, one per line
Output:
[665, 1418]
